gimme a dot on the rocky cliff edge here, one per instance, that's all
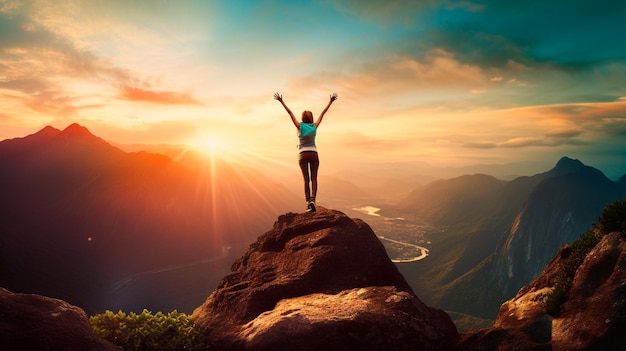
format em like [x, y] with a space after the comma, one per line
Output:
[320, 281]
[592, 318]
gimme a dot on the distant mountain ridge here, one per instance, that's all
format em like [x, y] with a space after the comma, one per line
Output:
[499, 235]
[79, 214]
[571, 182]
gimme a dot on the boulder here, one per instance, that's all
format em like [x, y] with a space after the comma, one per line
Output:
[35, 322]
[320, 280]
[593, 317]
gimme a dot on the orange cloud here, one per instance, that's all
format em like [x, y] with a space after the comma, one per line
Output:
[480, 145]
[32, 94]
[158, 97]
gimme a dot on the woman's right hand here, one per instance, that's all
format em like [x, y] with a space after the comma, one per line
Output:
[333, 97]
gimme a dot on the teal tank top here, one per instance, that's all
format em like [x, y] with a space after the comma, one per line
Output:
[306, 136]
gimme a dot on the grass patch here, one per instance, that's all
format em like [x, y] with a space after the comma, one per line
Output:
[149, 332]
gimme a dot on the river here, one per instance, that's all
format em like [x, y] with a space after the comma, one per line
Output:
[404, 238]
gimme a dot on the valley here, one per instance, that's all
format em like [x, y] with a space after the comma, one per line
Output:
[406, 238]
[469, 243]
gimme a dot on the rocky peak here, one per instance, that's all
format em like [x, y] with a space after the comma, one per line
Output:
[16, 146]
[48, 132]
[320, 280]
[51, 142]
[75, 133]
[567, 165]
[76, 129]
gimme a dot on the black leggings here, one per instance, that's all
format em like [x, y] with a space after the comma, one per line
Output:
[308, 159]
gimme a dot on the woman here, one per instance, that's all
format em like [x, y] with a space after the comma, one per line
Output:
[308, 159]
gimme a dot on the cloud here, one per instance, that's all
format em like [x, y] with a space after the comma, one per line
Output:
[570, 35]
[614, 126]
[403, 81]
[564, 33]
[554, 126]
[39, 95]
[158, 97]
[564, 133]
[437, 69]
[606, 118]
[548, 140]
[41, 68]
[480, 145]
[523, 142]
[27, 85]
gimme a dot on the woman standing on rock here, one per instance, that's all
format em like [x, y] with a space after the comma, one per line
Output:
[308, 159]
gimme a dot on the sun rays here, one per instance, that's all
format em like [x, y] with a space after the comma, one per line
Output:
[233, 189]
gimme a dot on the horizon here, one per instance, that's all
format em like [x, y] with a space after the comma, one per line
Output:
[287, 174]
[448, 84]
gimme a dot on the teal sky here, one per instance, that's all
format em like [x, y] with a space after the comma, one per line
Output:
[442, 82]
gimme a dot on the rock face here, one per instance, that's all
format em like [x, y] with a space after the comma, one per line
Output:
[34, 322]
[320, 281]
[557, 210]
[593, 318]
[595, 314]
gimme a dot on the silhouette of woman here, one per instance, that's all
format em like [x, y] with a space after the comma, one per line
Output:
[307, 158]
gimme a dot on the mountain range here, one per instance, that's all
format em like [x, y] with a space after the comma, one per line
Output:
[498, 235]
[101, 228]
[84, 221]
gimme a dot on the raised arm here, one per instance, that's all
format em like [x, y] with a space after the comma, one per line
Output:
[333, 97]
[279, 97]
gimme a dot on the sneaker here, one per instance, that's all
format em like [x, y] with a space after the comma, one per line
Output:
[311, 207]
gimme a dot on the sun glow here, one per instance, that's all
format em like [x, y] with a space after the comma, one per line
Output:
[209, 144]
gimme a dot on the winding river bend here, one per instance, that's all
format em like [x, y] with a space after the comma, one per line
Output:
[423, 250]
[403, 237]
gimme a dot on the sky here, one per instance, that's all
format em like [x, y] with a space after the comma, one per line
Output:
[439, 83]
